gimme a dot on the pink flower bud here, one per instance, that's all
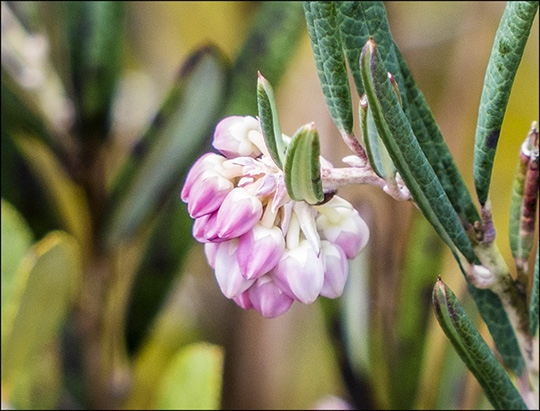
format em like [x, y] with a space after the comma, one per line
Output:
[344, 227]
[231, 136]
[268, 299]
[300, 273]
[336, 269]
[207, 193]
[238, 213]
[259, 250]
[210, 250]
[227, 270]
[243, 300]
[208, 161]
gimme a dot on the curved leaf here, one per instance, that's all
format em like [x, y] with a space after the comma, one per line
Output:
[474, 351]
[397, 135]
[17, 231]
[268, 116]
[303, 168]
[52, 269]
[506, 54]
[165, 152]
[325, 39]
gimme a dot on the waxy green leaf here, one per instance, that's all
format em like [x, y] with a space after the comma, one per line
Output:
[322, 23]
[506, 54]
[378, 156]
[358, 21]
[302, 166]
[474, 351]
[398, 137]
[269, 118]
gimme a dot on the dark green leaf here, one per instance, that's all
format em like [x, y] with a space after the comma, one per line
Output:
[322, 23]
[397, 135]
[473, 350]
[506, 54]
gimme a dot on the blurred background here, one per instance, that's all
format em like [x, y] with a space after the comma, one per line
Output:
[358, 352]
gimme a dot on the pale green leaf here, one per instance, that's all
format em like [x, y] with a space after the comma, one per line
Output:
[46, 285]
[193, 379]
[16, 241]
[302, 166]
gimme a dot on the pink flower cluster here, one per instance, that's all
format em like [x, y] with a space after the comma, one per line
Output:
[266, 249]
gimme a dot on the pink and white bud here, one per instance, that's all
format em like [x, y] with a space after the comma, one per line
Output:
[268, 299]
[238, 214]
[344, 227]
[209, 161]
[336, 269]
[243, 300]
[210, 250]
[300, 273]
[227, 270]
[207, 193]
[259, 250]
[231, 136]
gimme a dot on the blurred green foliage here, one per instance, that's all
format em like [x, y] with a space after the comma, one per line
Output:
[106, 300]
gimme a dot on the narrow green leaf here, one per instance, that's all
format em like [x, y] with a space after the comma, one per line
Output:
[429, 137]
[193, 379]
[533, 297]
[180, 131]
[35, 318]
[378, 156]
[302, 166]
[17, 240]
[432, 200]
[494, 315]
[397, 135]
[169, 243]
[424, 257]
[358, 22]
[473, 350]
[508, 47]
[268, 116]
[87, 49]
[270, 45]
[63, 195]
[322, 23]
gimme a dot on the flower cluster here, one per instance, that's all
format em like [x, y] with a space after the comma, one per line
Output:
[266, 249]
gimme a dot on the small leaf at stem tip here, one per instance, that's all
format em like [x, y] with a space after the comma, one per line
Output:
[302, 166]
[268, 116]
[396, 88]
